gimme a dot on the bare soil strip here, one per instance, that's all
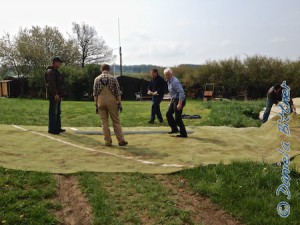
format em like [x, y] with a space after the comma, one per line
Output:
[202, 209]
[75, 207]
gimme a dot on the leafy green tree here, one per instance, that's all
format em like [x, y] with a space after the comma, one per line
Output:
[36, 47]
[91, 71]
[3, 69]
[292, 76]
[79, 81]
[73, 81]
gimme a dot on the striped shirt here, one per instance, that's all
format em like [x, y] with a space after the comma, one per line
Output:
[105, 79]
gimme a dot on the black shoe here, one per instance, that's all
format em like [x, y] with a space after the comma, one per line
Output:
[173, 132]
[182, 136]
[151, 121]
[53, 132]
[61, 130]
[123, 143]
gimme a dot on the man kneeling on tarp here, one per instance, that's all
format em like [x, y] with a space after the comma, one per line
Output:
[274, 96]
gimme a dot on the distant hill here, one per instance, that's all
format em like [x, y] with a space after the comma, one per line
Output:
[136, 68]
[143, 68]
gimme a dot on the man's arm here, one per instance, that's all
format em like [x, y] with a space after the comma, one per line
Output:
[96, 100]
[119, 99]
[160, 86]
[293, 108]
[95, 91]
[272, 96]
[150, 92]
[179, 89]
[51, 84]
[118, 92]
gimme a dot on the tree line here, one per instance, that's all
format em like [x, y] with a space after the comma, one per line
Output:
[29, 52]
[252, 76]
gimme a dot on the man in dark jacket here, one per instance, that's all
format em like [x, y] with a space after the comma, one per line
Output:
[156, 89]
[274, 96]
[54, 92]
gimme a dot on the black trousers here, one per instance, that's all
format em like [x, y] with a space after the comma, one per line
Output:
[155, 111]
[54, 122]
[177, 122]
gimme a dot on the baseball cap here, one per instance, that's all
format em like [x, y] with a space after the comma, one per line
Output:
[57, 59]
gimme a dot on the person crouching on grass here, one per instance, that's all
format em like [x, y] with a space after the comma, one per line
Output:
[107, 96]
[274, 96]
[176, 105]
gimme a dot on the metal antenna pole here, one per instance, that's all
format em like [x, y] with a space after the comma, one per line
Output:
[120, 49]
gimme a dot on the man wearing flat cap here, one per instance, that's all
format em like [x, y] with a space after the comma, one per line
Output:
[54, 92]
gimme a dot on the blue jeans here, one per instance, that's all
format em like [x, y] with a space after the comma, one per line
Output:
[269, 105]
[54, 123]
[155, 111]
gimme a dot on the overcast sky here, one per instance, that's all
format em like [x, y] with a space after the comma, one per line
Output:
[171, 32]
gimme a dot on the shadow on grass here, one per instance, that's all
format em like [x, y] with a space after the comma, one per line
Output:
[132, 150]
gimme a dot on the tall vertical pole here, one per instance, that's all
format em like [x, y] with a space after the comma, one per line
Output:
[120, 49]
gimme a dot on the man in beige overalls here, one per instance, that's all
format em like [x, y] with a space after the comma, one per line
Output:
[107, 96]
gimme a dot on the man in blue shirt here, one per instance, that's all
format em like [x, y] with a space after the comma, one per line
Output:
[156, 90]
[176, 105]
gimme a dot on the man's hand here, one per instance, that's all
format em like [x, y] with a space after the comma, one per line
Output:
[150, 93]
[57, 98]
[179, 106]
[293, 108]
[120, 108]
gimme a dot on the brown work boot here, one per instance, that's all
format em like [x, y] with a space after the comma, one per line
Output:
[108, 144]
[123, 143]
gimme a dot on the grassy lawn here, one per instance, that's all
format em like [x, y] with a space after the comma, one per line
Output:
[131, 199]
[245, 189]
[135, 113]
[25, 197]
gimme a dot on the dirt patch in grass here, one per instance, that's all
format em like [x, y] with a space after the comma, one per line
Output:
[202, 209]
[75, 207]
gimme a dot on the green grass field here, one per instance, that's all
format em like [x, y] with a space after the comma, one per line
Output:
[135, 113]
[25, 197]
[244, 189]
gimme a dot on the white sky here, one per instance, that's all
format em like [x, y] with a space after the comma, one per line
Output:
[171, 32]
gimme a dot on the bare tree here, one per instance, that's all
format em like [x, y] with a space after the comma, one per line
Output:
[93, 48]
